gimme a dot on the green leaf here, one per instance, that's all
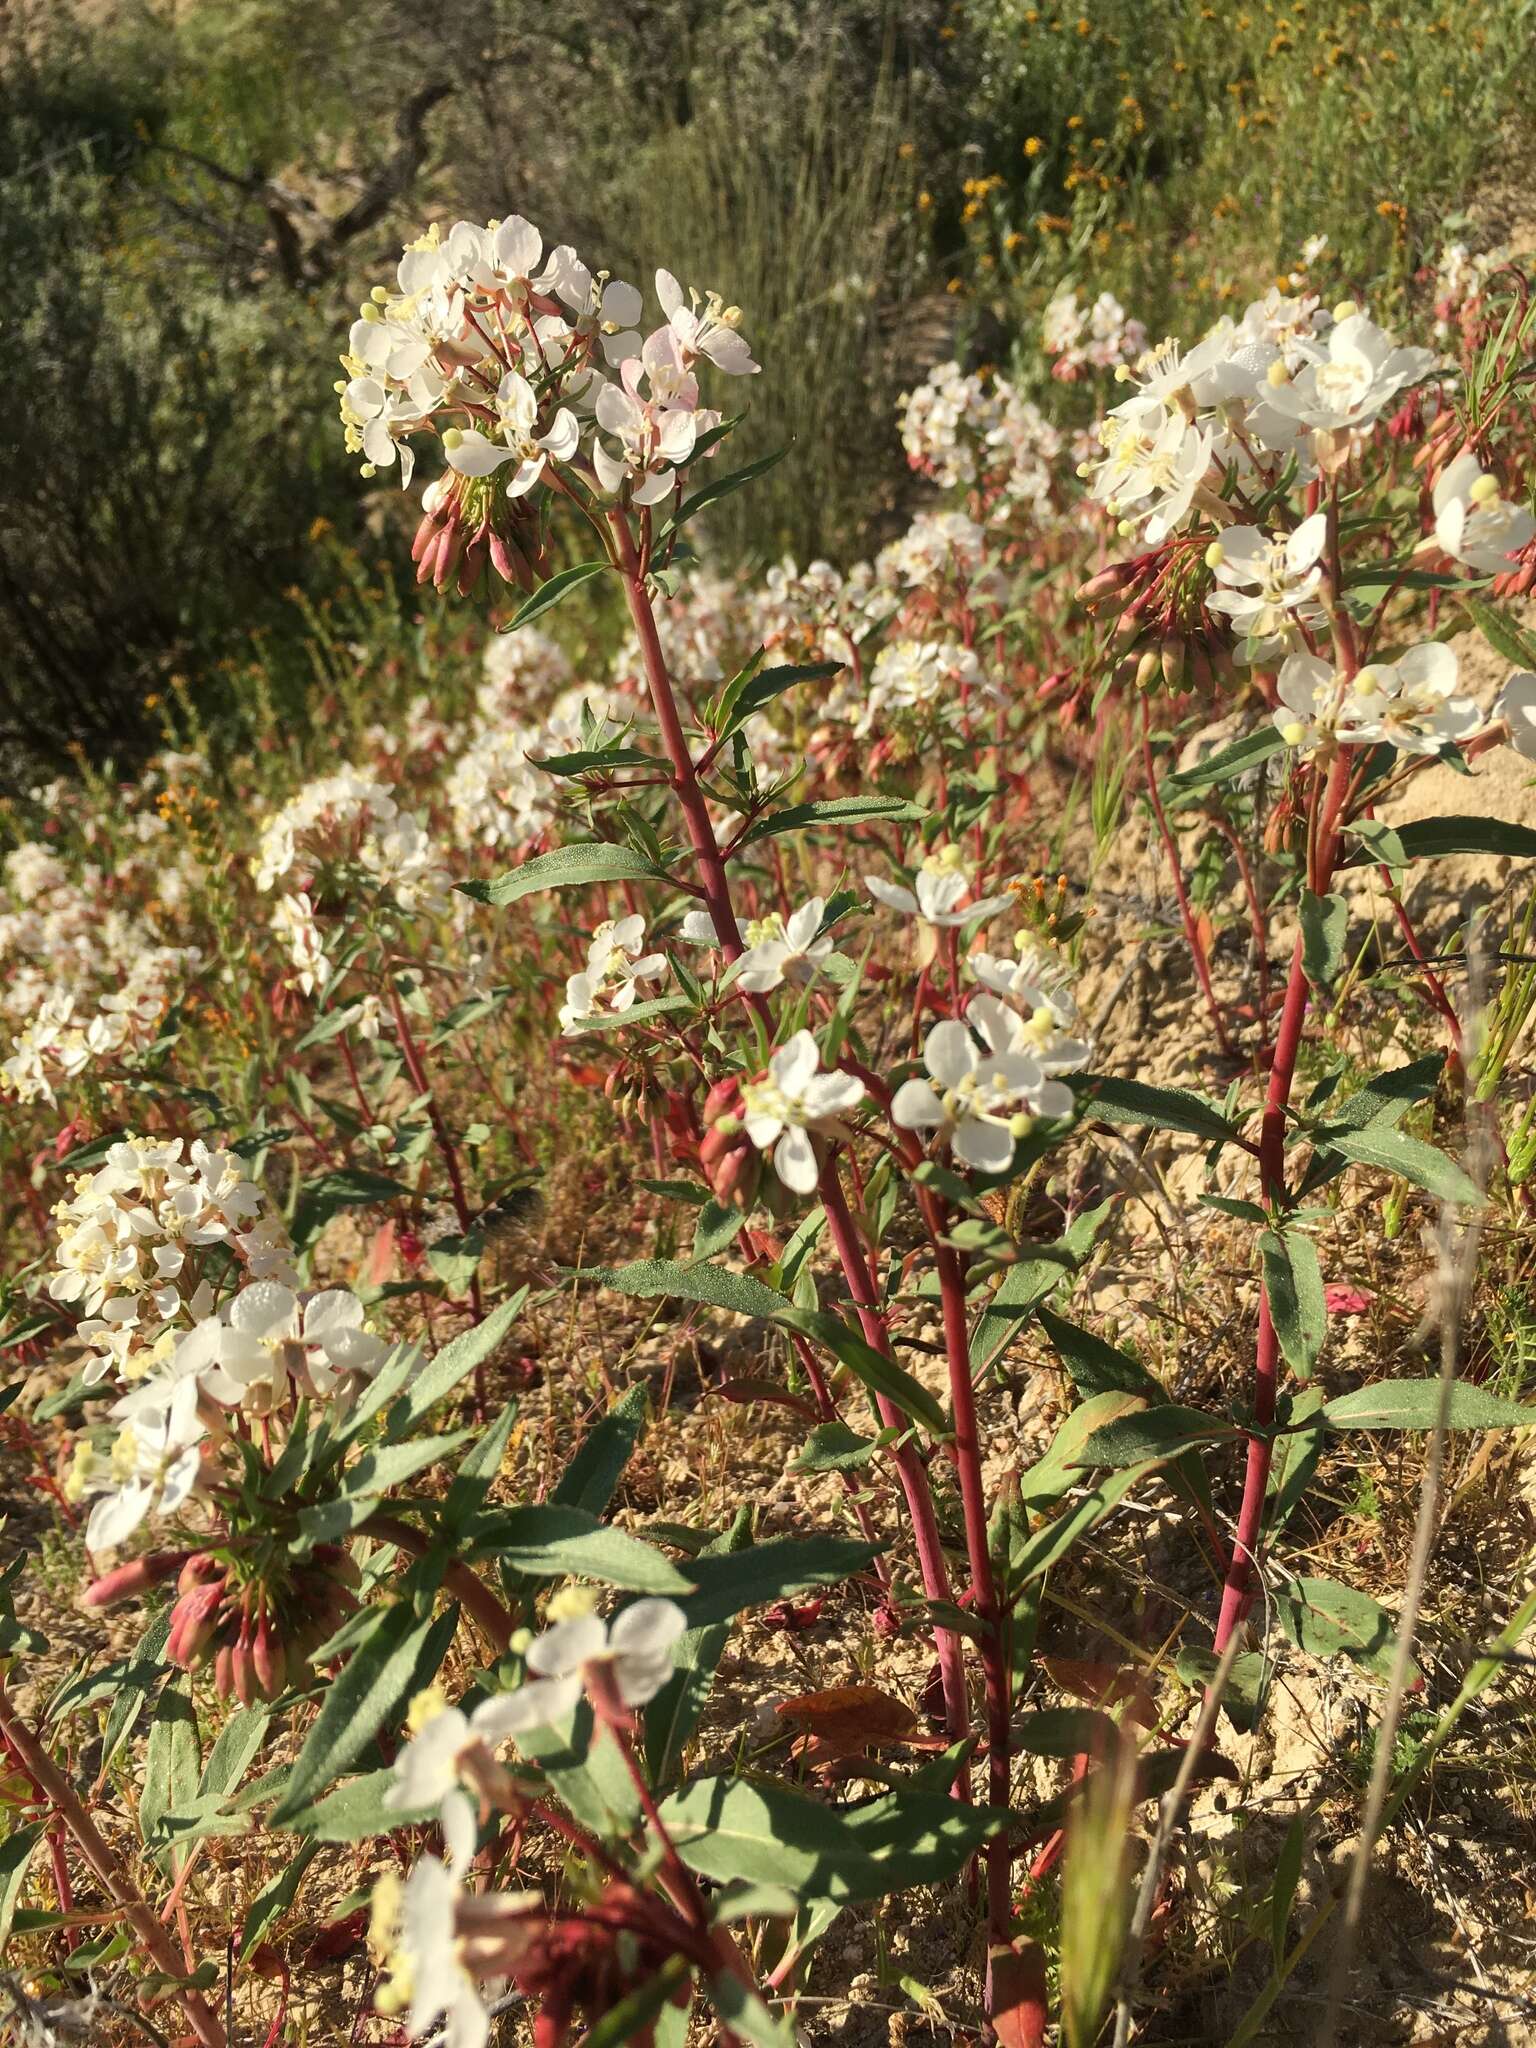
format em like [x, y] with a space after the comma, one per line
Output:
[1031, 1556]
[634, 2016]
[171, 1758]
[442, 1373]
[770, 1571]
[1154, 1433]
[671, 1279]
[235, 1750]
[139, 1682]
[1293, 1285]
[1501, 633]
[588, 1482]
[1283, 1892]
[606, 758]
[1297, 1454]
[1242, 1700]
[1027, 1283]
[1067, 1731]
[549, 594]
[673, 1714]
[477, 1471]
[275, 1898]
[745, 2015]
[15, 1857]
[718, 1227]
[762, 687]
[1330, 1620]
[568, 867]
[834, 1447]
[1324, 927]
[396, 1660]
[1433, 838]
[1116, 1101]
[1415, 1404]
[355, 1810]
[1238, 759]
[836, 810]
[872, 1368]
[1094, 1366]
[347, 1187]
[552, 1541]
[653, 1279]
[1393, 1151]
[733, 1829]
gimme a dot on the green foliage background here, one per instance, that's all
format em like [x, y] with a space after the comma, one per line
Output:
[195, 197]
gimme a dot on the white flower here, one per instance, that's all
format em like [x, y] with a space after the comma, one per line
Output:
[939, 892]
[704, 327]
[1410, 702]
[1473, 524]
[1348, 376]
[153, 1466]
[616, 962]
[655, 439]
[790, 1101]
[1269, 583]
[638, 1647]
[1311, 698]
[517, 411]
[1156, 460]
[780, 949]
[982, 1099]
[609, 307]
[429, 1770]
[1035, 979]
[1517, 707]
[272, 1338]
[441, 1953]
[293, 920]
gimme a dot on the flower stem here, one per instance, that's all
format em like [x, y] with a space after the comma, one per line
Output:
[471, 1592]
[56, 1788]
[1191, 930]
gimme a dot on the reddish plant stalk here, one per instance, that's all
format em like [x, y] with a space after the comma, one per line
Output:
[53, 1786]
[973, 1496]
[471, 1592]
[1186, 914]
[909, 1467]
[1236, 1593]
[717, 896]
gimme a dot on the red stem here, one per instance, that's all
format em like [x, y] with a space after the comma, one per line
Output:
[56, 1788]
[1186, 914]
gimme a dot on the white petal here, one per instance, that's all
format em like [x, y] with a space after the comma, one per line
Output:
[915, 1107]
[950, 1053]
[794, 1161]
[476, 456]
[988, 1148]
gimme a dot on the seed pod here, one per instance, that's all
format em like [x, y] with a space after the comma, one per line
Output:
[473, 565]
[200, 1569]
[223, 1671]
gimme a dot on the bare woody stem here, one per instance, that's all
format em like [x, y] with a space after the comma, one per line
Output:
[152, 1937]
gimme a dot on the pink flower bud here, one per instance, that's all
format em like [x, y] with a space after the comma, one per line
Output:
[128, 1581]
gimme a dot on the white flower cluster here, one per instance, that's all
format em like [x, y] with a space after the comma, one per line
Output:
[499, 345]
[617, 963]
[264, 1345]
[1081, 337]
[134, 1239]
[86, 978]
[347, 816]
[990, 1076]
[1252, 392]
[960, 428]
[1411, 703]
[1460, 276]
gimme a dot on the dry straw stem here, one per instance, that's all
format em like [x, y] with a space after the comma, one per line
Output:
[1167, 1820]
[1456, 1267]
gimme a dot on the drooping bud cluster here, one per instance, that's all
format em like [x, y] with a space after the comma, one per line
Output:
[257, 1638]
